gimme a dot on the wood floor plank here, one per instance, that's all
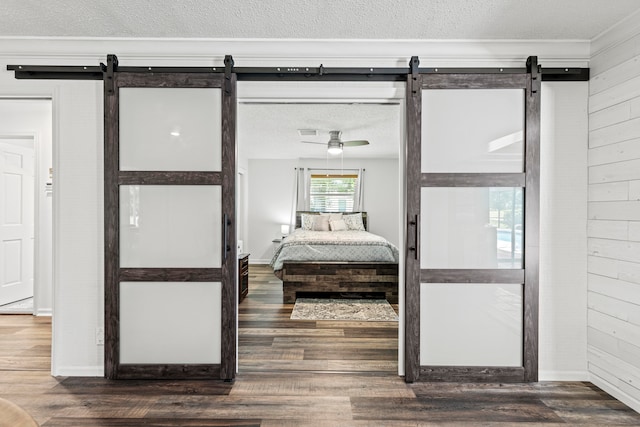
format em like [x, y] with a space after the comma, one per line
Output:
[278, 332]
[379, 332]
[22, 362]
[461, 410]
[283, 366]
[103, 386]
[329, 384]
[248, 342]
[84, 406]
[284, 323]
[330, 343]
[604, 412]
[247, 353]
[556, 389]
[257, 406]
[360, 365]
[389, 423]
[361, 354]
[149, 422]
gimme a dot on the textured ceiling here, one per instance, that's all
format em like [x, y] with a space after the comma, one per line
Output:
[315, 19]
[270, 131]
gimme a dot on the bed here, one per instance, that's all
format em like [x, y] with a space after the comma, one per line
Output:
[340, 261]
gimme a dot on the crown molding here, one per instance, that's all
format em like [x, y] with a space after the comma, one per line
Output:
[619, 33]
[298, 52]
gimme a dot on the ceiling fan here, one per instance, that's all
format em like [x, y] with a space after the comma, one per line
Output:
[335, 144]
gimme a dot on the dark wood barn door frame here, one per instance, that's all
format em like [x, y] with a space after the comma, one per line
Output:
[114, 178]
[530, 83]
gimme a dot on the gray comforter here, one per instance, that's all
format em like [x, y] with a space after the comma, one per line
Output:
[307, 245]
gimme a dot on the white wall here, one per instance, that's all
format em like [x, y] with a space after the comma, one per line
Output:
[77, 105]
[614, 213]
[271, 197]
[563, 218]
[34, 117]
[270, 190]
[78, 224]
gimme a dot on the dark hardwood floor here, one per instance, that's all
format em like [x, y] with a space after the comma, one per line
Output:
[291, 373]
[270, 342]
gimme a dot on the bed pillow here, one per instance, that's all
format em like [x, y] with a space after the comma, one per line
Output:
[338, 225]
[333, 216]
[307, 221]
[354, 222]
[321, 223]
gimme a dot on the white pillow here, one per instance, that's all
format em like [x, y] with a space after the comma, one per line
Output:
[307, 221]
[321, 223]
[338, 225]
[354, 222]
[333, 216]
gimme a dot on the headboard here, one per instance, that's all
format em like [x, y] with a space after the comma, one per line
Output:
[365, 221]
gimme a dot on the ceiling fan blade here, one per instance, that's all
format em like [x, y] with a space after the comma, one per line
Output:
[355, 143]
[313, 142]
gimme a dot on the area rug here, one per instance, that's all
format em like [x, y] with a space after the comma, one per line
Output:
[367, 310]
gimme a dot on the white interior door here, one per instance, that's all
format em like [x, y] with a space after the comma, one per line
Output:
[16, 220]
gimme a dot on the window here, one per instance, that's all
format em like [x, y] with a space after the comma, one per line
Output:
[332, 192]
[506, 215]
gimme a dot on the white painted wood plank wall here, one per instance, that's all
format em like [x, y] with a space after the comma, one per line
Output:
[613, 321]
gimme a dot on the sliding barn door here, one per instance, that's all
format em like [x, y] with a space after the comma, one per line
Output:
[472, 202]
[170, 261]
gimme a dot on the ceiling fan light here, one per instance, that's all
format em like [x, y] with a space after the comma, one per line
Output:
[335, 147]
[334, 150]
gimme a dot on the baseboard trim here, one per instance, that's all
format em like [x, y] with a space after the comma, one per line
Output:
[79, 371]
[44, 312]
[563, 376]
[259, 261]
[614, 391]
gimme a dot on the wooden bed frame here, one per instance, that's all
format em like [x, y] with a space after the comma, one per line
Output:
[339, 277]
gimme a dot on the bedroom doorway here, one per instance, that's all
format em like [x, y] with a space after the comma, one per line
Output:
[274, 118]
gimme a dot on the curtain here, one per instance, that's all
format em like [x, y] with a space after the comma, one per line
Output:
[300, 199]
[358, 195]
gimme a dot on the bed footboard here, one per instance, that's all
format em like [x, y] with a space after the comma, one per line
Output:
[339, 277]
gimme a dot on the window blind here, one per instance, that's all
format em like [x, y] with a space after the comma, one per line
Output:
[332, 192]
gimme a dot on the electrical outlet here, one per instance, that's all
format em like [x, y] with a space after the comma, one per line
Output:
[99, 336]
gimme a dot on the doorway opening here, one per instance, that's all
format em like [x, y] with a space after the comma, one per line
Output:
[283, 129]
[26, 226]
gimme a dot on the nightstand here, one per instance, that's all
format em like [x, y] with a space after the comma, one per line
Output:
[243, 276]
